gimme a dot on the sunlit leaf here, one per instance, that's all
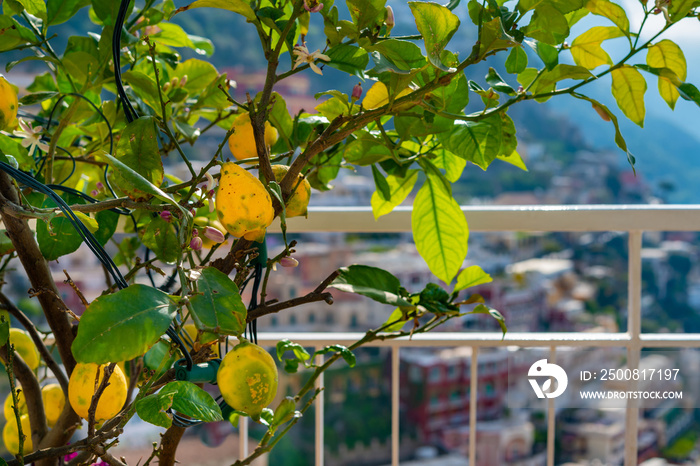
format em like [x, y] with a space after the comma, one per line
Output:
[612, 11]
[437, 24]
[218, 305]
[372, 282]
[628, 88]
[516, 61]
[242, 7]
[472, 276]
[667, 54]
[138, 149]
[399, 189]
[586, 48]
[514, 159]
[439, 229]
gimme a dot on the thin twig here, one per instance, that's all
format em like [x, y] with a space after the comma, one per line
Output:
[72, 284]
[99, 390]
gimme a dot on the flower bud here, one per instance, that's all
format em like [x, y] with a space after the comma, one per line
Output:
[99, 185]
[313, 6]
[174, 82]
[166, 87]
[196, 243]
[390, 21]
[356, 92]
[166, 215]
[183, 81]
[289, 262]
[214, 234]
[94, 193]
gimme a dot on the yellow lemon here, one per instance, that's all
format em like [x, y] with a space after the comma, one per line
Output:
[243, 205]
[204, 339]
[299, 201]
[7, 408]
[54, 402]
[81, 389]
[10, 435]
[247, 378]
[25, 347]
[378, 96]
[242, 141]
[8, 104]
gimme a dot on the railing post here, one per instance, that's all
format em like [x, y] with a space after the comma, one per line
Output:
[634, 328]
[551, 415]
[395, 440]
[319, 385]
[242, 437]
[473, 391]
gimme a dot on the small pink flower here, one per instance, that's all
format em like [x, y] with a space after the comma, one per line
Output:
[183, 81]
[100, 186]
[166, 215]
[196, 243]
[313, 6]
[289, 262]
[94, 193]
[214, 234]
[356, 92]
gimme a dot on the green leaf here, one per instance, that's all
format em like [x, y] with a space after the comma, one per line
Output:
[160, 237]
[346, 354]
[628, 88]
[475, 141]
[514, 159]
[380, 182]
[218, 306]
[439, 229]
[367, 149]
[242, 7]
[366, 13]
[138, 150]
[481, 309]
[667, 54]
[62, 238]
[548, 54]
[516, 61]
[437, 24]
[560, 73]
[14, 34]
[301, 356]
[397, 56]
[372, 282]
[678, 9]
[610, 10]
[184, 398]
[284, 412]
[145, 87]
[609, 116]
[399, 189]
[472, 276]
[60, 11]
[31, 99]
[12, 147]
[453, 165]
[497, 83]
[586, 48]
[349, 58]
[548, 25]
[35, 7]
[123, 325]
[400, 317]
[689, 92]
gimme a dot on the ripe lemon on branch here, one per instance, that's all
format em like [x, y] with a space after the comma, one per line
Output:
[82, 387]
[10, 435]
[298, 202]
[243, 205]
[54, 401]
[21, 402]
[25, 347]
[8, 104]
[242, 141]
[247, 378]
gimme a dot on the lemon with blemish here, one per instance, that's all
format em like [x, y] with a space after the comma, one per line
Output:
[54, 402]
[82, 387]
[8, 104]
[299, 200]
[25, 347]
[242, 141]
[10, 435]
[247, 378]
[243, 205]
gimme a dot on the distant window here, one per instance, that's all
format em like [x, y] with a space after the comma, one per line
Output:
[415, 374]
[292, 292]
[353, 320]
[435, 374]
[329, 318]
[312, 318]
[434, 399]
[452, 372]
[488, 389]
[292, 319]
[273, 321]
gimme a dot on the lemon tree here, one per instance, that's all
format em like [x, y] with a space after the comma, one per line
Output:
[114, 134]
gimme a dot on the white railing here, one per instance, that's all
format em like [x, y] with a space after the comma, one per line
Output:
[633, 219]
